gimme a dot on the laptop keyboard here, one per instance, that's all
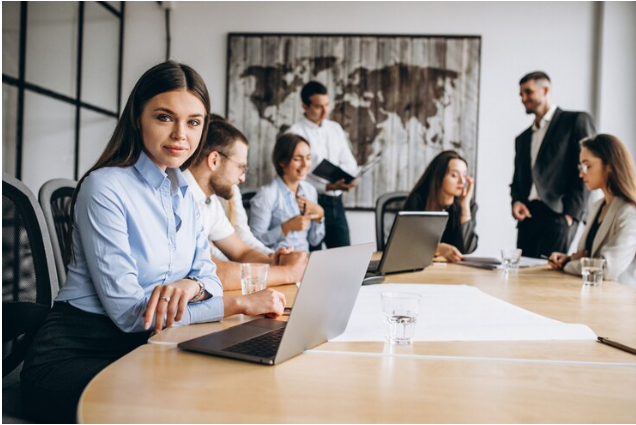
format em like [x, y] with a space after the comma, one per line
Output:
[265, 345]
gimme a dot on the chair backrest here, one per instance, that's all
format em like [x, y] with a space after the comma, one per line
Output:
[386, 208]
[246, 196]
[55, 199]
[29, 278]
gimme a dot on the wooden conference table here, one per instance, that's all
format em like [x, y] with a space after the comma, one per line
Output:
[522, 381]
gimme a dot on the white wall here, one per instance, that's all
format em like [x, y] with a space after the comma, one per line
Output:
[618, 72]
[558, 38]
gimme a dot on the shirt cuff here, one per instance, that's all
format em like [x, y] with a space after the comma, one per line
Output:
[212, 287]
[210, 310]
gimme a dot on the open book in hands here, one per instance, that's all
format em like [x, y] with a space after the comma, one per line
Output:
[332, 173]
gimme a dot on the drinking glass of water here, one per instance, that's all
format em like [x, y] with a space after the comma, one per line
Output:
[511, 258]
[592, 271]
[400, 310]
[253, 277]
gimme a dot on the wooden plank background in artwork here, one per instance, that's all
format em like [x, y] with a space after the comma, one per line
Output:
[409, 97]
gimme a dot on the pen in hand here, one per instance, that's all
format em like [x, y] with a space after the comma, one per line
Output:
[545, 257]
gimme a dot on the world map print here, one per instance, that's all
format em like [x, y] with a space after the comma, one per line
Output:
[404, 98]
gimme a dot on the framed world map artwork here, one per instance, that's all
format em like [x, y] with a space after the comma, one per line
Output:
[405, 98]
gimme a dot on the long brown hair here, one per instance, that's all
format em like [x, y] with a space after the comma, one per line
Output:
[430, 184]
[621, 180]
[126, 144]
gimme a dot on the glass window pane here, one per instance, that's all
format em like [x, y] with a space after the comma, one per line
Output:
[9, 126]
[100, 57]
[51, 60]
[95, 132]
[49, 140]
[10, 38]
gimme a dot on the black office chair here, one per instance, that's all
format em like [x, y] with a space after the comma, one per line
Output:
[386, 208]
[55, 199]
[29, 284]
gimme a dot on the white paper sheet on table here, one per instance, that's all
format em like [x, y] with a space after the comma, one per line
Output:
[457, 313]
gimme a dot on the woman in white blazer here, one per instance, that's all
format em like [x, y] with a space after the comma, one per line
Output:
[610, 233]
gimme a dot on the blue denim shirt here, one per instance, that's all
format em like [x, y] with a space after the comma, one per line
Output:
[136, 228]
[273, 205]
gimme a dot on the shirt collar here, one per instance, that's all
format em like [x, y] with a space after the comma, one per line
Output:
[155, 177]
[287, 190]
[546, 118]
[309, 123]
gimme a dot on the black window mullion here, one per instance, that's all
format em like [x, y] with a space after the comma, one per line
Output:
[21, 77]
[80, 42]
[22, 85]
[121, 56]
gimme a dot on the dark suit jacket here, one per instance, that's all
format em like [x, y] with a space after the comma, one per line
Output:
[555, 173]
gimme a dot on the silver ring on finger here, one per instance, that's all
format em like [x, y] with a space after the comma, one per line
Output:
[166, 299]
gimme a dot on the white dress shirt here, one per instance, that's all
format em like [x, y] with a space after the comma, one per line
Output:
[329, 141]
[538, 134]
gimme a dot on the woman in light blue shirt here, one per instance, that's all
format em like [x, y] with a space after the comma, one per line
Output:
[286, 211]
[139, 256]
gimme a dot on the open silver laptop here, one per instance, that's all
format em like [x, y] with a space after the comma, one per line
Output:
[321, 311]
[411, 246]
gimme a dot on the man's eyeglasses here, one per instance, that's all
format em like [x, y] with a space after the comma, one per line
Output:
[583, 168]
[243, 167]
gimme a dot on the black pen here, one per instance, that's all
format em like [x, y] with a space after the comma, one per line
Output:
[617, 345]
[545, 257]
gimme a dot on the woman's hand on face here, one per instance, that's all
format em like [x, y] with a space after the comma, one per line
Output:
[169, 301]
[467, 194]
[449, 252]
[557, 260]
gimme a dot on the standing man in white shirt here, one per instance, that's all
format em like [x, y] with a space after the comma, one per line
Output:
[222, 165]
[548, 197]
[328, 141]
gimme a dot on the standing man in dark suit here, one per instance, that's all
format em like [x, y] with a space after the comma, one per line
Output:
[548, 197]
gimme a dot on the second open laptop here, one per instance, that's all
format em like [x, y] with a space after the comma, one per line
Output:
[411, 246]
[321, 311]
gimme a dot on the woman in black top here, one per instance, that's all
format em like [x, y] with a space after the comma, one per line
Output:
[446, 186]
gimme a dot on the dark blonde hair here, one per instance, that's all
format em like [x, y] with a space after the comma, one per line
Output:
[621, 180]
[430, 184]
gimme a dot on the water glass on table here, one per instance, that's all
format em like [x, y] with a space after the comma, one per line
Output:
[400, 310]
[253, 277]
[511, 258]
[592, 271]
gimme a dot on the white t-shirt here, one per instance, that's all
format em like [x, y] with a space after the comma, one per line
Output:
[240, 224]
[216, 226]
